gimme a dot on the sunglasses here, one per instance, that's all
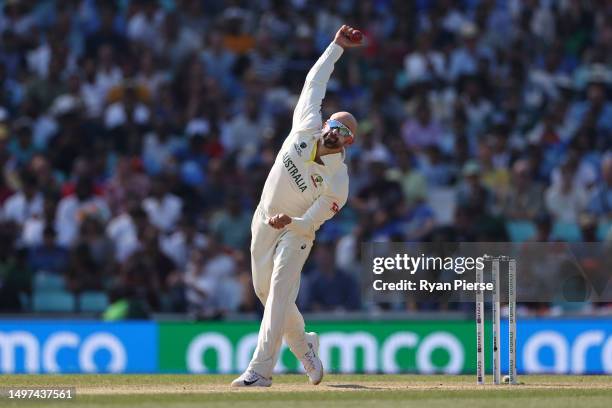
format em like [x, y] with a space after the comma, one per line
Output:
[342, 129]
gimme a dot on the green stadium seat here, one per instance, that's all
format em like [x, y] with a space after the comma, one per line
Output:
[604, 229]
[566, 231]
[48, 282]
[53, 301]
[93, 301]
[520, 231]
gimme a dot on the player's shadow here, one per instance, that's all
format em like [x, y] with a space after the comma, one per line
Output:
[353, 387]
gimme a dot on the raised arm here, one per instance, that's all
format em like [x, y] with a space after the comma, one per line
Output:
[307, 114]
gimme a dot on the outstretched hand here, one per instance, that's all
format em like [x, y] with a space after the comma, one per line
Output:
[279, 221]
[343, 38]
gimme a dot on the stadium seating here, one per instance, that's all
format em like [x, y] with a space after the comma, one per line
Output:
[93, 301]
[53, 301]
[566, 231]
[45, 282]
[520, 231]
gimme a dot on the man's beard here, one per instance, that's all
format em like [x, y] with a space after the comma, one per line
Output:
[330, 142]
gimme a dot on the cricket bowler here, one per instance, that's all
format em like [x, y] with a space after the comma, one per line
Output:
[307, 185]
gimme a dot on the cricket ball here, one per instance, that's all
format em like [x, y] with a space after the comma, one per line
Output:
[355, 36]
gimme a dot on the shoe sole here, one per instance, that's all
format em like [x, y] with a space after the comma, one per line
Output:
[254, 385]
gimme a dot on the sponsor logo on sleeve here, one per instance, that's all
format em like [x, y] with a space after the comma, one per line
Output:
[299, 148]
[335, 207]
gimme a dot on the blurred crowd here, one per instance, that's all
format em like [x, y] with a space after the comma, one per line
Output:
[136, 135]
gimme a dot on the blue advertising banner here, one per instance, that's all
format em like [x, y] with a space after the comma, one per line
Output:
[560, 346]
[544, 345]
[73, 346]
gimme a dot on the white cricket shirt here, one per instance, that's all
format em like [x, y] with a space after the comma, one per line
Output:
[308, 192]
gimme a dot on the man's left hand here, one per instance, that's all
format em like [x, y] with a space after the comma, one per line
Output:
[279, 221]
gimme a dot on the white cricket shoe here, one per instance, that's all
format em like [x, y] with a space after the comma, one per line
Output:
[251, 379]
[311, 361]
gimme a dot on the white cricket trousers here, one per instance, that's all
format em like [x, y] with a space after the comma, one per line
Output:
[277, 258]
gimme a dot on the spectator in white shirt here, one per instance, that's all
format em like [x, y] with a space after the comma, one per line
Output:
[124, 229]
[108, 74]
[246, 131]
[26, 203]
[566, 200]
[180, 245]
[212, 287]
[424, 63]
[163, 207]
[72, 210]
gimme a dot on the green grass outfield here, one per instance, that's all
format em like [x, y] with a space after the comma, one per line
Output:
[354, 391]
